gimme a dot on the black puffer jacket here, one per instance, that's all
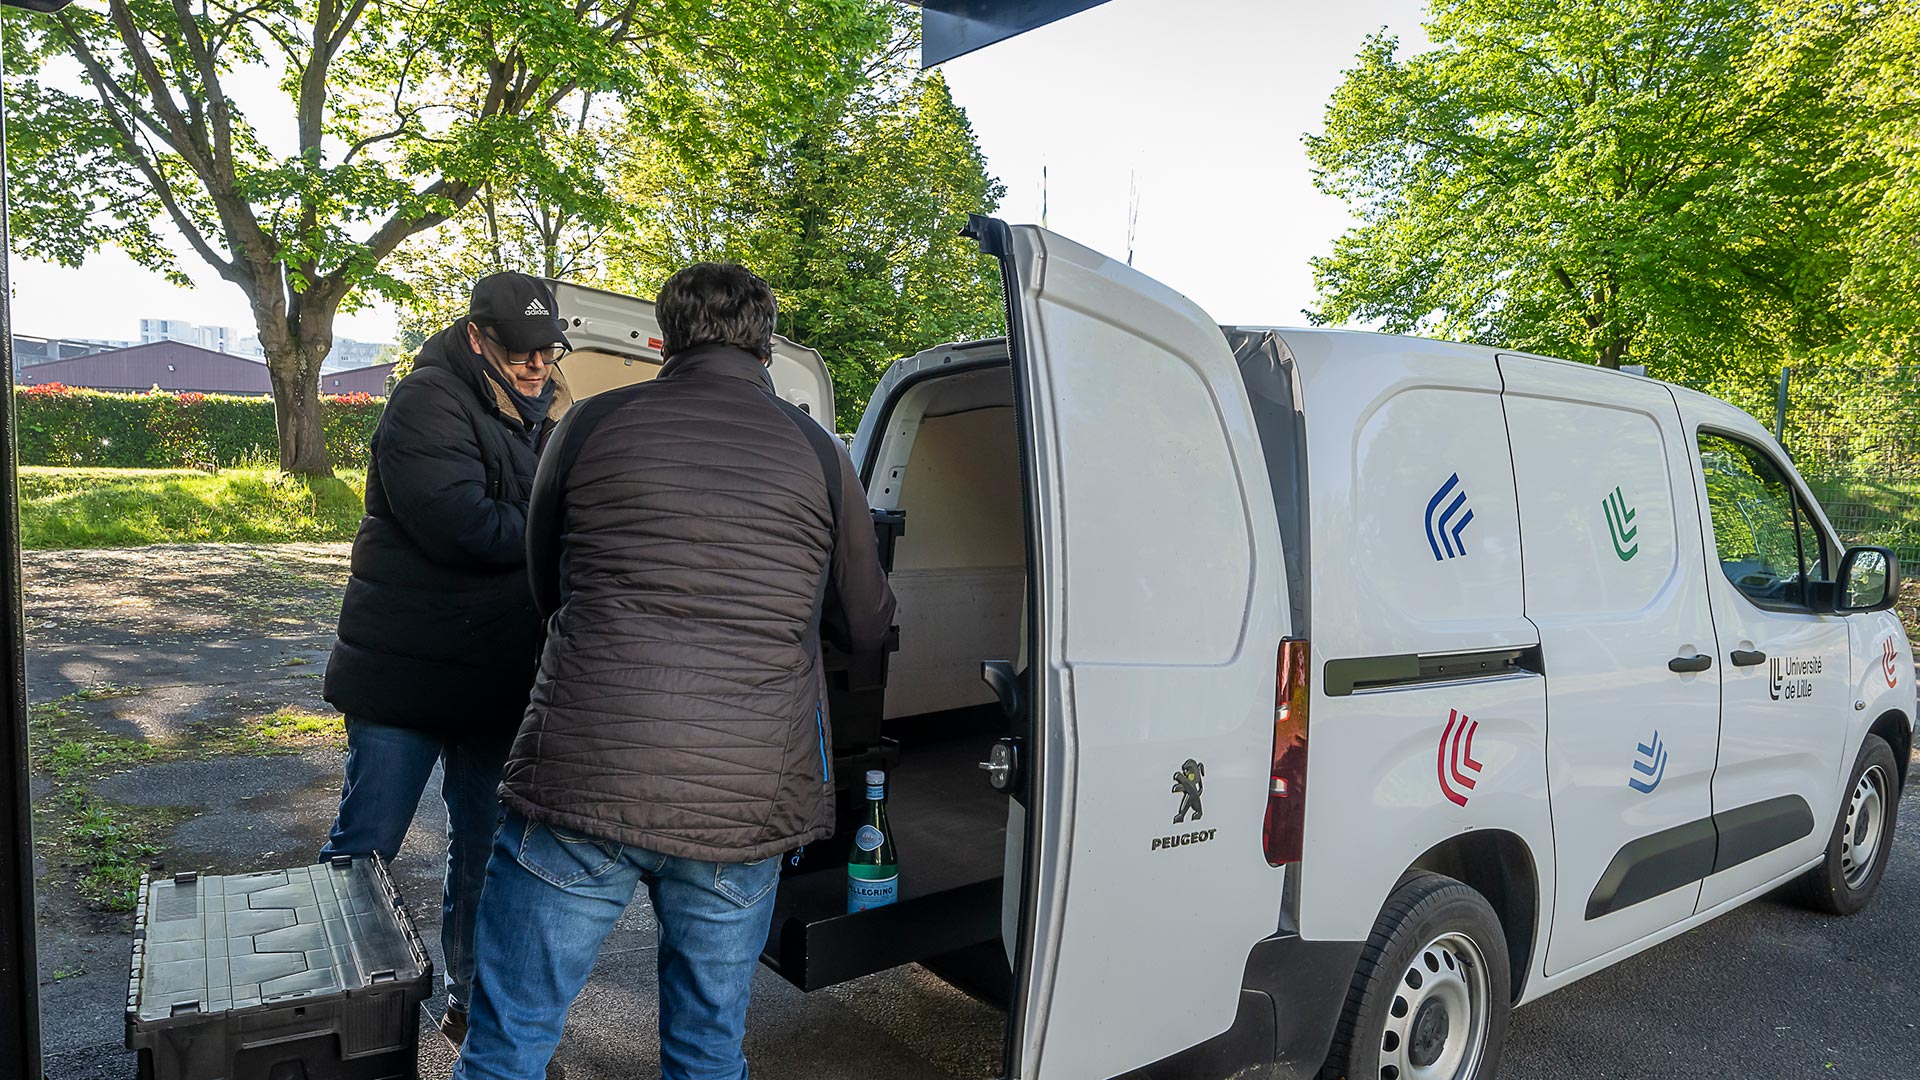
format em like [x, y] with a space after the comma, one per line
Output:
[438, 630]
[685, 533]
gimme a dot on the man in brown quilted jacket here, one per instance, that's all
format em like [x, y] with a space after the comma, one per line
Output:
[691, 540]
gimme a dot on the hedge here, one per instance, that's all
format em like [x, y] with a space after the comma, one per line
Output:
[71, 426]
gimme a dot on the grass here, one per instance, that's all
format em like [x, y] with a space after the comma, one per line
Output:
[110, 845]
[107, 845]
[94, 508]
[67, 745]
[283, 731]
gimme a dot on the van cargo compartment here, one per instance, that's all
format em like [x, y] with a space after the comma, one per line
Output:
[950, 829]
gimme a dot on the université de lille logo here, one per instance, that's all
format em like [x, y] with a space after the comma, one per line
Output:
[1790, 677]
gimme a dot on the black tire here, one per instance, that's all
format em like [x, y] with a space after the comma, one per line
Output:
[1425, 910]
[1847, 877]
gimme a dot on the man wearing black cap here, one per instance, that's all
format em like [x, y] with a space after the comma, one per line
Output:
[439, 637]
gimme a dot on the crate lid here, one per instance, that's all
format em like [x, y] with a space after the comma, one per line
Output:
[220, 943]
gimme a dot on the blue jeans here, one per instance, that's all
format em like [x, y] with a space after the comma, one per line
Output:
[387, 769]
[552, 897]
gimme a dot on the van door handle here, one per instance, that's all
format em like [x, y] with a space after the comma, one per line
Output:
[1747, 657]
[1687, 664]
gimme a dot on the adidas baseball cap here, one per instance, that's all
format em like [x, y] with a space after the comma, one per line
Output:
[519, 309]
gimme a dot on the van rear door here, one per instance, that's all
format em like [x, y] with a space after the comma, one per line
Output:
[1157, 606]
[616, 342]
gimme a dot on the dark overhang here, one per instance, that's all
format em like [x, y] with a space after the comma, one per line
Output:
[950, 28]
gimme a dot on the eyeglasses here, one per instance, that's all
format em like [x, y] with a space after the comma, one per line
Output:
[550, 355]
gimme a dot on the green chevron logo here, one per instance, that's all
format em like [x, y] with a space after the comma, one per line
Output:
[1620, 525]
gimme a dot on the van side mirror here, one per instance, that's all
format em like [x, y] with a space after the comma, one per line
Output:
[1869, 580]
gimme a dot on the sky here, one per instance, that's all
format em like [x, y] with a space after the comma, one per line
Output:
[1200, 112]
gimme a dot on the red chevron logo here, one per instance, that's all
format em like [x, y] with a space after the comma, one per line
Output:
[1890, 662]
[1456, 750]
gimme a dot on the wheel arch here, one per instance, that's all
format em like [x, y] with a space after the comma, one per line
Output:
[1499, 866]
[1894, 726]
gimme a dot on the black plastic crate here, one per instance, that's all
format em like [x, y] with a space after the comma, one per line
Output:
[309, 973]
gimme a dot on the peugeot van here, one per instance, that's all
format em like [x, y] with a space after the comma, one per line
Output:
[1298, 702]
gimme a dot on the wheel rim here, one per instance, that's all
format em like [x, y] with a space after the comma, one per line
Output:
[1866, 820]
[1437, 1022]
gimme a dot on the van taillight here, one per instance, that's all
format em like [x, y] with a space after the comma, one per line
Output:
[1285, 829]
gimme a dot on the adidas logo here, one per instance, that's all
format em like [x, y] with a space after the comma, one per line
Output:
[535, 307]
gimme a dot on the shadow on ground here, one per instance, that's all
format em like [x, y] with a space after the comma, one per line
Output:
[160, 660]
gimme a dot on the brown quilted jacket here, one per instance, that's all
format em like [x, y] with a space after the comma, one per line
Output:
[682, 542]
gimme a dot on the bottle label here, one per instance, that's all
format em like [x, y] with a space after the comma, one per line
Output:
[868, 838]
[876, 792]
[863, 893]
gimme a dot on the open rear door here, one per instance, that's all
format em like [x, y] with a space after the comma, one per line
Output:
[616, 342]
[1157, 611]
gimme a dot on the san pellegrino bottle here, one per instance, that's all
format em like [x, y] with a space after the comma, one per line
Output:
[873, 873]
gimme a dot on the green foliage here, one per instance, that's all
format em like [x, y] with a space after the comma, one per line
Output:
[110, 845]
[92, 508]
[67, 745]
[1596, 181]
[399, 114]
[60, 425]
[1862, 59]
[853, 213]
[856, 225]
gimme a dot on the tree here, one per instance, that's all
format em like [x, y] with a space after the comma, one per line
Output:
[515, 223]
[1862, 58]
[1594, 181]
[855, 222]
[395, 116]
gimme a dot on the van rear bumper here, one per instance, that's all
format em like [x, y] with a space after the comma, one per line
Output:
[1290, 1000]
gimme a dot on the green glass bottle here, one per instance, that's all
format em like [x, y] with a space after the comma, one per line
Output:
[873, 872]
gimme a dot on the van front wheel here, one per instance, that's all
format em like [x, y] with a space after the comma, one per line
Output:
[1430, 997]
[1857, 850]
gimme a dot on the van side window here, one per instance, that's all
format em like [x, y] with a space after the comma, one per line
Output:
[1766, 540]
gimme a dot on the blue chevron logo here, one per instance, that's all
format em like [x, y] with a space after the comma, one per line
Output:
[1649, 767]
[1445, 526]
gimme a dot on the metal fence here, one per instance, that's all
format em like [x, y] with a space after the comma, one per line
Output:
[1854, 434]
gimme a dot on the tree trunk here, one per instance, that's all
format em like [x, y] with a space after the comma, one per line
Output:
[296, 410]
[296, 337]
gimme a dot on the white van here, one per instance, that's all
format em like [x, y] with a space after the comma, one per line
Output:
[1341, 691]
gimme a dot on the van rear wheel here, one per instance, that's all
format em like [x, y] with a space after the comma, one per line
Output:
[1430, 997]
[1856, 858]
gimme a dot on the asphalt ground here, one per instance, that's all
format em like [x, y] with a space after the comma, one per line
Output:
[1768, 991]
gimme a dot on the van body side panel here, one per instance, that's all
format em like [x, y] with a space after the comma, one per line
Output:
[1785, 720]
[1161, 605]
[1616, 583]
[1882, 677]
[1416, 559]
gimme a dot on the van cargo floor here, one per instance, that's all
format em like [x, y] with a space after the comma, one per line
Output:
[950, 829]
